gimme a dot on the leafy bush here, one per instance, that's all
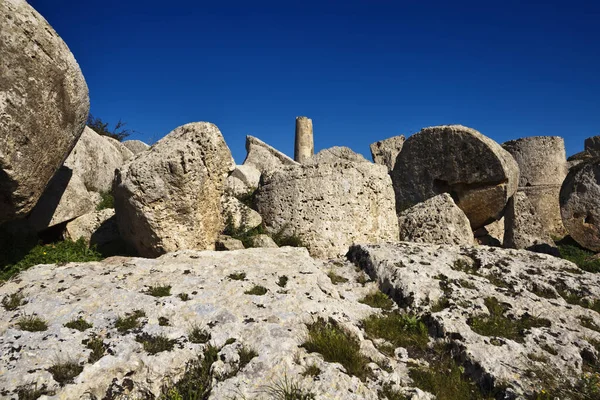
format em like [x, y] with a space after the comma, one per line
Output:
[32, 323]
[400, 330]
[55, 253]
[571, 251]
[378, 299]
[65, 372]
[79, 324]
[102, 128]
[107, 201]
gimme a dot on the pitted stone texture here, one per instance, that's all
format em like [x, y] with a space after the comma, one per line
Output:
[454, 159]
[238, 216]
[524, 229]
[386, 151]
[542, 160]
[248, 174]
[492, 234]
[44, 104]
[85, 226]
[580, 204]
[529, 284]
[546, 202]
[262, 241]
[264, 157]
[436, 220]
[304, 147]
[123, 150]
[336, 154]
[227, 243]
[169, 197]
[136, 146]
[273, 325]
[329, 206]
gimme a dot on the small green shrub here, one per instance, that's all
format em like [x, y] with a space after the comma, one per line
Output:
[400, 330]
[378, 299]
[156, 344]
[159, 291]
[589, 323]
[13, 301]
[335, 278]
[246, 355]
[497, 324]
[184, 296]
[163, 321]
[282, 238]
[196, 383]
[79, 324]
[56, 253]
[96, 345]
[441, 304]
[311, 370]
[283, 280]
[230, 341]
[575, 299]
[336, 345]
[198, 335]
[32, 392]
[32, 323]
[571, 251]
[287, 389]
[363, 279]
[237, 276]
[389, 393]
[65, 372]
[129, 322]
[257, 290]
[107, 201]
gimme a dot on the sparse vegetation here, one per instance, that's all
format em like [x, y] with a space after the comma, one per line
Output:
[589, 323]
[64, 372]
[13, 301]
[159, 291]
[257, 290]
[282, 281]
[184, 296]
[79, 324]
[389, 393]
[155, 344]
[196, 383]
[102, 128]
[378, 299]
[130, 321]
[311, 370]
[198, 335]
[33, 392]
[400, 330]
[335, 278]
[32, 323]
[96, 345]
[246, 355]
[237, 276]
[570, 250]
[579, 300]
[336, 345]
[497, 324]
[57, 253]
[163, 321]
[107, 201]
[284, 238]
[363, 279]
[288, 389]
[441, 304]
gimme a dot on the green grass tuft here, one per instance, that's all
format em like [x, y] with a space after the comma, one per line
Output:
[497, 324]
[129, 322]
[96, 345]
[389, 393]
[183, 296]
[335, 278]
[400, 330]
[79, 324]
[155, 344]
[287, 389]
[159, 291]
[571, 251]
[238, 276]
[13, 301]
[107, 201]
[311, 370]
[378, 299]
[336, 345]
[257, 290]
[32, 324]
[246, 355]
[198, 335]
[65, 372]
[283, 280]
[32, 392]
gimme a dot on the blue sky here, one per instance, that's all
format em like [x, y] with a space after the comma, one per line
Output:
[362, 70]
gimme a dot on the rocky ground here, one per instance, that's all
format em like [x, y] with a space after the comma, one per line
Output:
[474, 322]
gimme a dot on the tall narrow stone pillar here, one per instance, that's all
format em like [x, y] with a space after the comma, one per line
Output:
[305, 146]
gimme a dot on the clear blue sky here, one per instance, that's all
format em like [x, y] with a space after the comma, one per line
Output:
[362, 70]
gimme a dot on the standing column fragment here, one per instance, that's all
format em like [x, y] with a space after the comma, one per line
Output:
[304, 147]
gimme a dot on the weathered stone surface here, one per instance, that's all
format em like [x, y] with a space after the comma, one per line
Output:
[437, 220]
[329, 206]
[262, 241]
[249, 175]
[125, 153]
[336, 154]
[65, 198]
[273, 325]
[136, 146]
[545, 201]
[491, 234]
[264, 157]
[580, 204]
[227, 243]
[44, 104]
[524, 229]
[541, 159]
[169, 197]
[238, 216]
[304, 147]
[479, 174]
[85, 226]
[527, 286]
[386, 151]
[592, 145]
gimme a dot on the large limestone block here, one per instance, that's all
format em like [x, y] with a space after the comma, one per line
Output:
[169, 197]
[238, 216]
[592, 145]
[523, 229]
[386, 151]
[437, 220]
[99, 229]
[545, 201]
[264, 157]
[542, 160]
[65, 198]
[123, 150]
[329, 206]
[479, 174]
[136, 146]
[580, 204]
[44, 104]
[336, 154]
